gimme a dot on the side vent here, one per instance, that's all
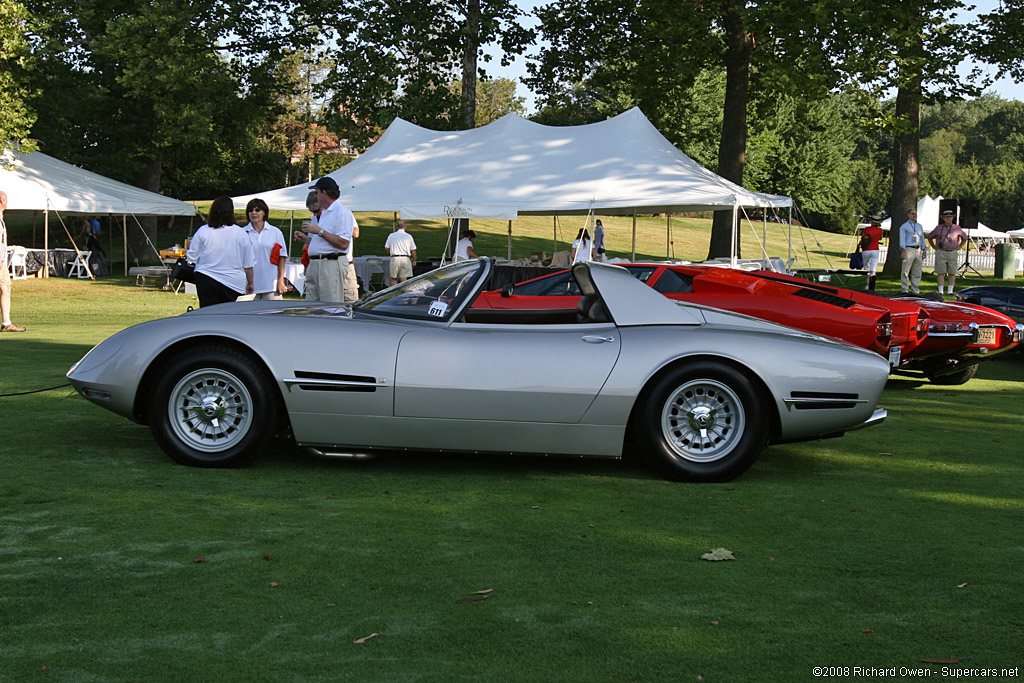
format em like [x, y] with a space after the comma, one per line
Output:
[831, 299]
[325, 381]
[822, 400]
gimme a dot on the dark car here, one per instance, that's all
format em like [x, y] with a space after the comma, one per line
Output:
[1007, 300]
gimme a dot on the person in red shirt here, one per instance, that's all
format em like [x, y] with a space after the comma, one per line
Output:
[869, 249]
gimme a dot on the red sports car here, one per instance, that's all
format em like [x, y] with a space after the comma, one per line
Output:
[943, 342]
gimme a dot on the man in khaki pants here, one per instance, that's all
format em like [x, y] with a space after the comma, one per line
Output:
[5, 273]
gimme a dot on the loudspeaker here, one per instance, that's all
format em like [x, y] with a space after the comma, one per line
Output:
[969, 213]
[946, 205]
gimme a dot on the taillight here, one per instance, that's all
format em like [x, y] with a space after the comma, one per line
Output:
[883, 329]
[922, 324]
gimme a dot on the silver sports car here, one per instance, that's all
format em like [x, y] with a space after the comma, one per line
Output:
[699, 391]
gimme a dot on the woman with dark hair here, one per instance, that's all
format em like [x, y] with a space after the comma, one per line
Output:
[223, 255]
[267, 243]
[583, 247]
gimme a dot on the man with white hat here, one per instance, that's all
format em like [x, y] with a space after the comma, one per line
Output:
[946, 239]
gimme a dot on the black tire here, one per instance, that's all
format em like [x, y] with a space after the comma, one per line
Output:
[213, 406]
[708, 394]
[961, 376]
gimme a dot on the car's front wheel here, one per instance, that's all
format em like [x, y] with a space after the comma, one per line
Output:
[703, 422]
[213, 406]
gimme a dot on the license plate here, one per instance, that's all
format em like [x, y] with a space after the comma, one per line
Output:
[894, 355]
[987, 336]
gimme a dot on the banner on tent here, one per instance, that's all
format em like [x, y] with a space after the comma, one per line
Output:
[459, 209]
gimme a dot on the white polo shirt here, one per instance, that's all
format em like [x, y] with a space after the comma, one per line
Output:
[223, 254]
[264, 273]
[336, 219]
[400, 243]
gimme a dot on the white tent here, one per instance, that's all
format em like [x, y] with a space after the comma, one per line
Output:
[927, 214]
[515, 167]
[37, 182]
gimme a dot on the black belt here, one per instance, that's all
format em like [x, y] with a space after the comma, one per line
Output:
[914, 247]
[330, 257]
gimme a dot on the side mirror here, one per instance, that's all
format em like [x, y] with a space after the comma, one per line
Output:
[507, 290]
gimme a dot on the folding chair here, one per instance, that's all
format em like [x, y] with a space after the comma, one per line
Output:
[17, 263]
[378, 277]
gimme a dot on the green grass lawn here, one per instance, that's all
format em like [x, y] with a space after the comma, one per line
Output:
[884, 548]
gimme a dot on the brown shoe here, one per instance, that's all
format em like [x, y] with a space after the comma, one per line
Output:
[11, 328]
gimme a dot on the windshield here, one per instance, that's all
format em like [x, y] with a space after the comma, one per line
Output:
[432, 296]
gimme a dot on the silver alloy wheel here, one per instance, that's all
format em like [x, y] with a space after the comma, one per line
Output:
[702, 420]
[210, 410]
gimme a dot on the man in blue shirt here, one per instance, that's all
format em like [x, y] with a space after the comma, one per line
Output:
[912, 250]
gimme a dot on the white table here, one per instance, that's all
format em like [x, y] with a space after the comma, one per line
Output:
[367, 266]
[295, 273]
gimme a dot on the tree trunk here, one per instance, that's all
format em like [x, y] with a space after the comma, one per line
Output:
[139, 250]
[732, 148]
[469, 58]
[906, 145]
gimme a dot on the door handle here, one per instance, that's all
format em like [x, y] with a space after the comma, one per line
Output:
[596, 339]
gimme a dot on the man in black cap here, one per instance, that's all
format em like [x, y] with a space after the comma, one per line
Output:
[329, 238]
[946, 239]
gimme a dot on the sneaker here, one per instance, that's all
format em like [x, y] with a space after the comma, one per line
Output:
[11, 328]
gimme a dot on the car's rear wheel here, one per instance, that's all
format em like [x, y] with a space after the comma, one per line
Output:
[213, 407]
[961, 376]
[703, 422]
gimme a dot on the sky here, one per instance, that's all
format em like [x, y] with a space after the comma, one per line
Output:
[1006, 88]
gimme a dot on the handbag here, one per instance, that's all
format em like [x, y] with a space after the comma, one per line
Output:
[856, 260]
[184, 270]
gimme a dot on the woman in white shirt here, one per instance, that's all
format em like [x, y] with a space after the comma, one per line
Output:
[464, 249]
[268, 273]
[223, 255]
[583, 247]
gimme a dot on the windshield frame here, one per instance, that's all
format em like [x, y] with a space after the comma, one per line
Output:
[402, 301]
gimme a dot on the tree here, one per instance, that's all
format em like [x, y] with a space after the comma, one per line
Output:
[653, 52]
[494, 98]
[914, 48]
[396, 58]
[16, 118]
[158, 94]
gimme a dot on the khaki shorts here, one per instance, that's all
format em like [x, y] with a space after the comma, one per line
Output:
[5, 275]
[946, 262]
[401, 266]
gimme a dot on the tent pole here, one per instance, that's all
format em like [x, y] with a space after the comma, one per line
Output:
[124, 235]
[634, 235]
[554, 234]
[764, 236]
[509, 257]
[789, 250]
[46, 240]
[291, 231]
[668, 235]
[735, 237]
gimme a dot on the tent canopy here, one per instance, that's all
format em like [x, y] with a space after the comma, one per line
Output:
[37, 182]
[514, 167]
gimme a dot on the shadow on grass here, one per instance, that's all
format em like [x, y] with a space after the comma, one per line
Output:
[286, 455]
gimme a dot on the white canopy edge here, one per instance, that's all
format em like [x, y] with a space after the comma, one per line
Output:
[38, 182]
